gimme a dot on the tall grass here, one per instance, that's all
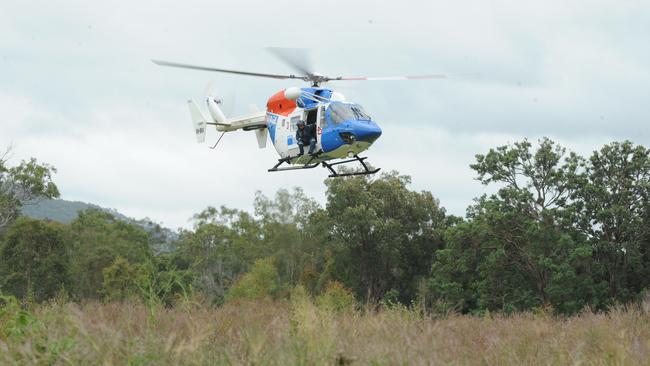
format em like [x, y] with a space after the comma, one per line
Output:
[298, 332]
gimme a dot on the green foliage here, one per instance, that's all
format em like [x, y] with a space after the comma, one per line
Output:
[561, 233]
[123, 280]
[24, 337]
[613, 211]
[225, 243]
[15, 322]
[169, 281]
[98, 239]
[222, 246]
[285, 222]
[336, 298]
[261, 282]
[34, 259]
[33, 180]
[515, 252]
[154, 283]
[309, 278]
[22, 184]
[383, 236]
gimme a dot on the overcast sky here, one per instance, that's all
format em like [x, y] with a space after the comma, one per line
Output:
[78, 90]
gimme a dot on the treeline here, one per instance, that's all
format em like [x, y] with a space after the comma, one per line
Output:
[562, 233]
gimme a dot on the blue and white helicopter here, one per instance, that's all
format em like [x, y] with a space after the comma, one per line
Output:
[343, 129]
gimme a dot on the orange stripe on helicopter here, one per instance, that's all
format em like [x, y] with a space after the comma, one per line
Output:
[279, 104]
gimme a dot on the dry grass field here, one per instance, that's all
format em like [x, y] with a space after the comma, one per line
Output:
[301, 333]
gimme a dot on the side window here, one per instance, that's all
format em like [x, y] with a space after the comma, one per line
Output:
[339, 113]
[294, 122]
[323, 121]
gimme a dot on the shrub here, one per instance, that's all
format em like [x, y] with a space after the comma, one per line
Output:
[34, 259]
[260, 282]
[123, 280]
[336, 298]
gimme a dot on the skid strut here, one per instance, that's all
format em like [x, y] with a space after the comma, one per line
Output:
[330, 166]
[308, 164]
[356, 158]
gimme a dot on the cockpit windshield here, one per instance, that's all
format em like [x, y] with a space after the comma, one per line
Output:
[339, 112]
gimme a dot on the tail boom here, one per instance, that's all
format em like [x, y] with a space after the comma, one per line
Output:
[254, 121]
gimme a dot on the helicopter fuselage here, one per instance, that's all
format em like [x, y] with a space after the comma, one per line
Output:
[343, 129]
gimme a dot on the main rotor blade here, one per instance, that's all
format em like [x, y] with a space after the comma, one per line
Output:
[382, 78]
[297, 58]
[204, 68]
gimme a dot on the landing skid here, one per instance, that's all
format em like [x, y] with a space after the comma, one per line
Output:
[310, 165]
[307, 165]
[335, 174]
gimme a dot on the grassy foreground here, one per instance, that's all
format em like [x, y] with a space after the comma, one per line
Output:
[301, 333]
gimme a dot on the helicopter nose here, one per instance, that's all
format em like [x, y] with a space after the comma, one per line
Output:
[367, 131]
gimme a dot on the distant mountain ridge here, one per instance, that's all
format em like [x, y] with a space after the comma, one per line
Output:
[62, 210]
[66, 211]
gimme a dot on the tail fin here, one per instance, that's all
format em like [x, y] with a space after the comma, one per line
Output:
[215, 111]
[199, 121]
[261, 137]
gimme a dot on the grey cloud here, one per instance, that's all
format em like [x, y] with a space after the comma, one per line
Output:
[77, 89]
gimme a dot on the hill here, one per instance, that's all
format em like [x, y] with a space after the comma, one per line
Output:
[65, 211]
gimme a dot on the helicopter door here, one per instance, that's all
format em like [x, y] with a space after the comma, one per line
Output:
[322, 122]
[312, 118]
[326, 135]
[321, 127]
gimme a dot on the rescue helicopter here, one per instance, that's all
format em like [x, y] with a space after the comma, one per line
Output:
[343, 128]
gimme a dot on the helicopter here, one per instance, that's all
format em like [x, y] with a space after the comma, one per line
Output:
[343, 129]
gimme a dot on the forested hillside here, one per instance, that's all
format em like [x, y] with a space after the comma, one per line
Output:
[57, 209]
[63, 211]
[563, 233]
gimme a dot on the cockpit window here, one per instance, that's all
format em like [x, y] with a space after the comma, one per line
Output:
[339, 112]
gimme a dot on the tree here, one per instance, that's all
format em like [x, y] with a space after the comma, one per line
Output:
[613, 202]
[455, 271]
[98, 239]
[261, 282]
[336, 298]
[383, 236]
[21, 185]
[123, 280]
[225, 243]
[222, 245]
[34, 259]
[519, 248]
[285, 222]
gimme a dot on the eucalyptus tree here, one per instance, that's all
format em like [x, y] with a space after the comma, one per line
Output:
[383, 235]
[613, 206]
[21, 185]
[519, 247]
